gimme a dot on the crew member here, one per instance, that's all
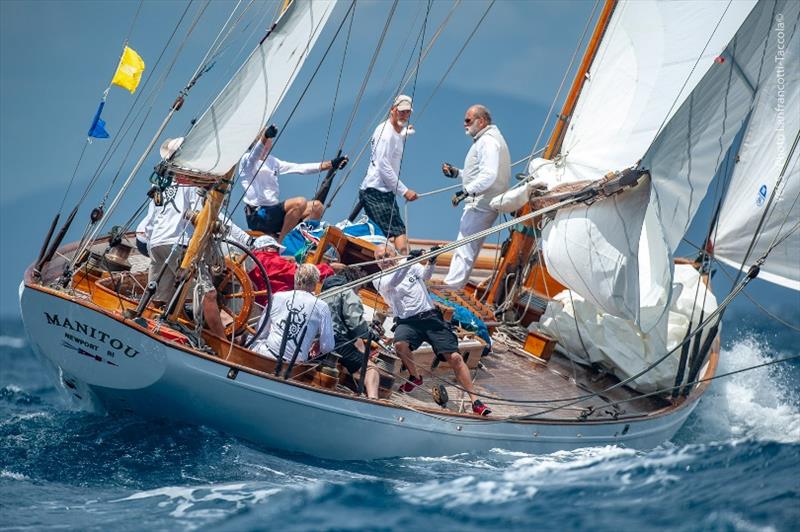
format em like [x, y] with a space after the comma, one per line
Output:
[167, 233]
[350, 329]
[259, 171]
[280, 270]
[298, 314]
[418, 320]
[382, 182]
[486, 174]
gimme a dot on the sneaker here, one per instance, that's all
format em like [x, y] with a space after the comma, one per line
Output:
[481, 409]
[409, 386]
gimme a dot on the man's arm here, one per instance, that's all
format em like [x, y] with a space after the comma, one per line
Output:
[326, 341]
[382, 158]
[286, 167]
[353, 315]
[252, 160]
[488, 163]
[150, 217]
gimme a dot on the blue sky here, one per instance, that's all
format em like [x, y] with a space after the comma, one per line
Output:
[56, 58]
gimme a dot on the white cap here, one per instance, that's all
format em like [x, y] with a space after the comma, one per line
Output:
[403, 103]
[169, 147]
[267, 241]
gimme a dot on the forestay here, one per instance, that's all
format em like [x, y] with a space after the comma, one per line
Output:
[640, 78]
[765, 149]
[218, 139]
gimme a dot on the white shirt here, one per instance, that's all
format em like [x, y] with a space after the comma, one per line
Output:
[260, 181]
[303, 310]
[405, 291]
[487, 168]
[145, 226]
[383, 172]
[166, 225]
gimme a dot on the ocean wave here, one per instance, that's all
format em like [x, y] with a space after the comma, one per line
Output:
[759, 404]
[12, 475]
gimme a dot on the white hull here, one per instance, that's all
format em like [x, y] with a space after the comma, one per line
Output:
[126, 369]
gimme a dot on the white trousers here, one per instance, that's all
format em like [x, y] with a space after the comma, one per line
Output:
[472, 221]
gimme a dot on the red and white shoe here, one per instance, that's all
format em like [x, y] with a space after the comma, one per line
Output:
[481, 409]
[409, 386]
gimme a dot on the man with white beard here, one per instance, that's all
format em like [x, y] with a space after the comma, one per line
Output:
[486, 174]
[382, 182]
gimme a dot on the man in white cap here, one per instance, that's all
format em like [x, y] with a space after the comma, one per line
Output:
[486, 174]
[259, 171]
[382, 182]
[280, 269]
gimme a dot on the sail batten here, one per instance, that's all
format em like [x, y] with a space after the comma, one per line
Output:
[218, 139]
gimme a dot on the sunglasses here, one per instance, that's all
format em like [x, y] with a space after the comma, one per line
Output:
[468, 121]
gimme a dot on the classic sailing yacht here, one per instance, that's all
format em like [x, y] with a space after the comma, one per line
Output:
[620, 340]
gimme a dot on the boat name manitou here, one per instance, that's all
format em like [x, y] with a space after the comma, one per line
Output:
[91, 332]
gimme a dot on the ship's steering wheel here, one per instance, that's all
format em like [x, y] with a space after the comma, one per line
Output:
[236, 293]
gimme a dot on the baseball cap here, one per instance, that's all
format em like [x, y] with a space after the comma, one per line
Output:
[403, 103]
[267, 241]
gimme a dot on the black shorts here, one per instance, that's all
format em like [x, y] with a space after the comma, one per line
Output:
[427, 327]
[381, 208]
[350, 356]
[265, 219]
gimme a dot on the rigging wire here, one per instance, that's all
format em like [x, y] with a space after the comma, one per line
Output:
[578, 47]
[365, 133]
[88, 140]
[300, 99]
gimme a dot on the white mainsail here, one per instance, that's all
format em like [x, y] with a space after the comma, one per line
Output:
[652, 57]
[218, 139]
[766, 146]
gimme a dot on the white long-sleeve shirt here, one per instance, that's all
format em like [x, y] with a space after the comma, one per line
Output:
[166, 225]
[405, 291]
[260, 181]
[487, 168]
[383, 172]
[302, 310]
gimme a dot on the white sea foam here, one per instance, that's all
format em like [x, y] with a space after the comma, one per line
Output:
[188, 501]
[13, 342]
[754, 404]
[12, 475]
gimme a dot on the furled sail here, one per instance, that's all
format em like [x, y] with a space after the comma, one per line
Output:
[765, 149]
[682, 160]
[640, 77]
[218, 139]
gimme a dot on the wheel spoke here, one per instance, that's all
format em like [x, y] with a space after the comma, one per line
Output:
[233, 295]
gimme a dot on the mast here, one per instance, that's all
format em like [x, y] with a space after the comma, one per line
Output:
[521, 242]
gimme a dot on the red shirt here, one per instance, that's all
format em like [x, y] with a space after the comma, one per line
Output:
[280, 271]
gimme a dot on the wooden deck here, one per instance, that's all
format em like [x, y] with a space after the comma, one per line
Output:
[516, 375]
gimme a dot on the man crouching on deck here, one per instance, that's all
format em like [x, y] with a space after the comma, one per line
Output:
[418, 320]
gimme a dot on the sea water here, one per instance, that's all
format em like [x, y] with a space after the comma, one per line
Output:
[735, 465]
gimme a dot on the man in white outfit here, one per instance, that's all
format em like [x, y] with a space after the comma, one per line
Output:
[486, 174]
[301, 316]
[382, 182]
[167, 233]
[260, 171]
[418, 320]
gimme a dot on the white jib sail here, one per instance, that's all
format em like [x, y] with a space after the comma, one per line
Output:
[650, 60]
[218, 139]
[766, 145]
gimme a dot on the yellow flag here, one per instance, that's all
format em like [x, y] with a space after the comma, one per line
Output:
[129, 71]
